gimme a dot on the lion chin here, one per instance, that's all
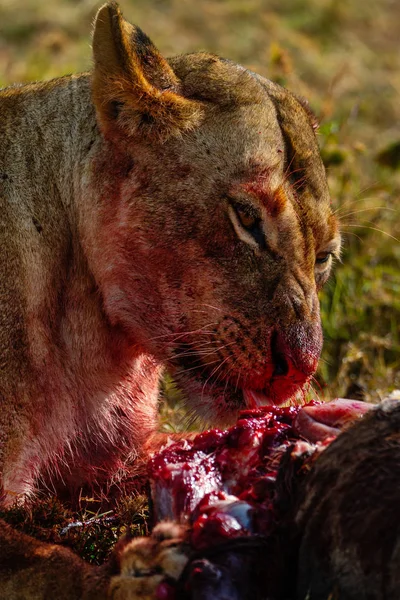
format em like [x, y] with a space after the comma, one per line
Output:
[218, 403]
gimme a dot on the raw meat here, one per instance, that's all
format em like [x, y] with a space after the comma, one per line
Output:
[233, 489]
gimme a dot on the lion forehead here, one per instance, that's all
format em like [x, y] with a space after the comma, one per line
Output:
[217, 80]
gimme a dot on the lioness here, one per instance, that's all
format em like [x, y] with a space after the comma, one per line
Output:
[153, 212]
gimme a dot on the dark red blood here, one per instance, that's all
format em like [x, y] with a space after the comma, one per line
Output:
[165, 591]
[212, 439]
[215, 528]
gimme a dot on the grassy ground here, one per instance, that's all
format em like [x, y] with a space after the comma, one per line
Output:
[343, 56]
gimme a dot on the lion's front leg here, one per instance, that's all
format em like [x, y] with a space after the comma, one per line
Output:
[34, 570]
[149, 567]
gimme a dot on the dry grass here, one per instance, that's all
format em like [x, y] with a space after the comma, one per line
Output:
[88, 530]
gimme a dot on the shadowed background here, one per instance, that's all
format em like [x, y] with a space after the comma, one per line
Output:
[342, 55]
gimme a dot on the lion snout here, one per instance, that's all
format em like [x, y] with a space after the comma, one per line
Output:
[296, 349]
[290, 362]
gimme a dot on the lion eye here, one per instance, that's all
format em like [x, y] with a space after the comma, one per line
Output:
[247, 223]
[248, 220]
[323, 257]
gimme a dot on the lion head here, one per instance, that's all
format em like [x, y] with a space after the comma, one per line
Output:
[211, 231]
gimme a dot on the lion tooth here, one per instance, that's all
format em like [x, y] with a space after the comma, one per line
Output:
[254, 399]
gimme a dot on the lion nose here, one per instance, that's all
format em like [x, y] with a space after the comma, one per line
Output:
[279, 361]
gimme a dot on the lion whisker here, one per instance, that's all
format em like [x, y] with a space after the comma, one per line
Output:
[358, 226]
[356, 212]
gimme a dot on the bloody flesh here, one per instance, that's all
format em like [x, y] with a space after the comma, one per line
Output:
[223, 482]
[223, 485]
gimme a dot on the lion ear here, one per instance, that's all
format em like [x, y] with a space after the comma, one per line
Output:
[134, 88]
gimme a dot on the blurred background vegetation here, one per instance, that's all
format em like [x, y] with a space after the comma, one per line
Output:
[343, 55]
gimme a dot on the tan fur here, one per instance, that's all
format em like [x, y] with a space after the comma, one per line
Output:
[146, 562]
[123, 251]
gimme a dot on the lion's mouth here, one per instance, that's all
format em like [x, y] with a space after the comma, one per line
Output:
[280, 382]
